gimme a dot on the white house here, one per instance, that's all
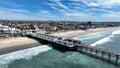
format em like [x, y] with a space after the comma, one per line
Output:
[8, 30]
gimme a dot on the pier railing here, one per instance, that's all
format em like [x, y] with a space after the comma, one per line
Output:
[81, 47]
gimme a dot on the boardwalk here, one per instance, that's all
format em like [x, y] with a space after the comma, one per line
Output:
[71, 44]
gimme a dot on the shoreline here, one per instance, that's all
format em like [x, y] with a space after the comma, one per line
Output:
[8, 45]
[71, 34]
[16, 43]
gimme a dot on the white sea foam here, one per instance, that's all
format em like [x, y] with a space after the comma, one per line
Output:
[116, 32]
[22, 54]
[107, 39]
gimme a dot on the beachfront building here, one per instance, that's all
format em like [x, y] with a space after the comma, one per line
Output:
[15, 31]
[1, 29]
[8, 30]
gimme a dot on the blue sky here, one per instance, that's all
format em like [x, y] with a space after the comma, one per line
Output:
[68, 10]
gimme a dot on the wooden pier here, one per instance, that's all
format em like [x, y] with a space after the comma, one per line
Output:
[75, 45]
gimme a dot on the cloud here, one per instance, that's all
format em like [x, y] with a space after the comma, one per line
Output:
[19, 10]
[110, 3]
[101, 3]
[50, 4]
[59, 3]
[93, 4]
[53, 7]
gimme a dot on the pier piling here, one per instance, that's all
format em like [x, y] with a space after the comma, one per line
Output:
[109, 57]
[116, 60]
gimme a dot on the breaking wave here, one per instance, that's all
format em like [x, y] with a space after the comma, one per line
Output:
[22, 54]
[88, 36]
[116, 33]
[107, 39]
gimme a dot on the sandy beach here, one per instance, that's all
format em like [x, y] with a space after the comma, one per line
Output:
[17, 43]
[70, 34]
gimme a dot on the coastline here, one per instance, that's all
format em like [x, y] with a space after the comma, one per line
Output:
[71, 34]
[18, 43]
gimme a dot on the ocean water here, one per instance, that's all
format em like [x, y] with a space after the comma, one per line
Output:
[46, 57]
